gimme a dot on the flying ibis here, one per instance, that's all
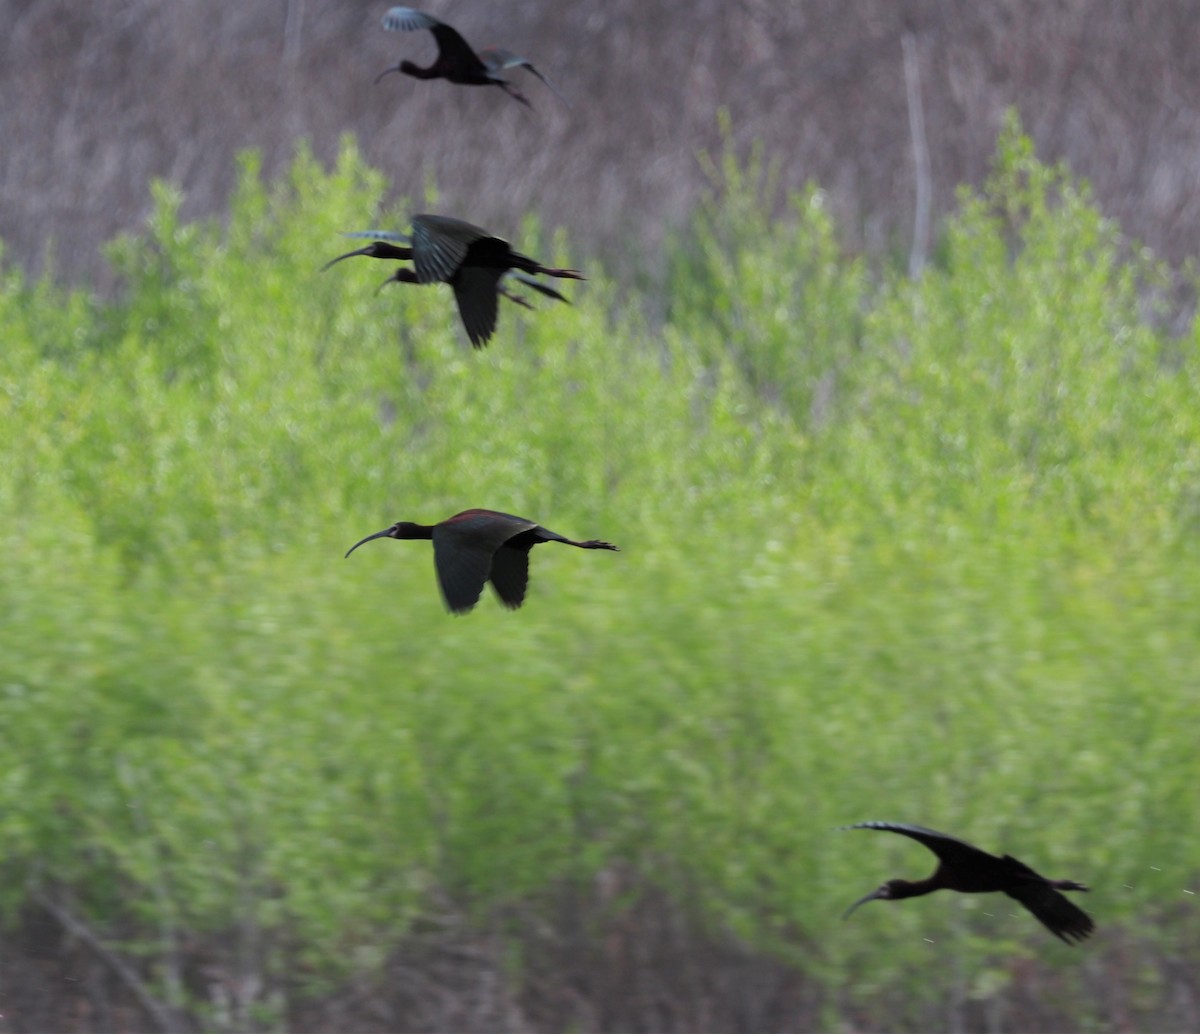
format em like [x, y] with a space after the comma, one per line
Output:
[478, 546]
[457, 61]
[468, 258]
[964, 867]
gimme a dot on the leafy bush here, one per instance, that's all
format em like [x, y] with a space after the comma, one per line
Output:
[964, 596]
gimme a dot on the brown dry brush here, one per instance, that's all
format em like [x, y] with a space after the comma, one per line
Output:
[100, 97]
[615, 954]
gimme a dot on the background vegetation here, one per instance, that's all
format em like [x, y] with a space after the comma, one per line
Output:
[104, 96]
[891, 549]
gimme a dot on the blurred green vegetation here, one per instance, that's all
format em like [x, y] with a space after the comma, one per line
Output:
[924, 551]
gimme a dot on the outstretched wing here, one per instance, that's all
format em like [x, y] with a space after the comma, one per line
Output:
[1057, 913]
[464, 547]
[477, 294]
[440, 245]
[452, 48]
[1060, 916]
[510, 575]
[949, 849]
[497, 59]
[462, 570]
[406, 19]
[381, 235]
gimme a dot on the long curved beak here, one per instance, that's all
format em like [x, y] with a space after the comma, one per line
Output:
[349, 254]
[386, 71]
[378, 535]
[873, 896]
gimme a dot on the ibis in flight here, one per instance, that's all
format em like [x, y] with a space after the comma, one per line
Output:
[457, 60]
[964, 867]
[478, 546]
[473, 262]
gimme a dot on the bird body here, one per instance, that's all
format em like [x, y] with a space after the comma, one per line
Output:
[442, 244]
[965, 868]
[468, 258]
[477, 546]
[456, 60]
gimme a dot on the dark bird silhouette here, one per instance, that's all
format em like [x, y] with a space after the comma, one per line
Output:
[381, 249]
[457, 61]
[469, 259]
[478, 546]
[964, 867]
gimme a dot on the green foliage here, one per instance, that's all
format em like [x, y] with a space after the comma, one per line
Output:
[774, 296]
[947, 575]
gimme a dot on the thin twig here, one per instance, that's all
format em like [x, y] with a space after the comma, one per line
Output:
[916, 123]
[77, 928]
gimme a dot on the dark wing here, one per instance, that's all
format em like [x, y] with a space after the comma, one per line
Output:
[497, 59]
[949, 849]
[440, 244]
[462, 569]
[464, 547]
[455, 51]
[452, 48]
[510, 575]
[476, 291]
[1060, 916]
[494, 525]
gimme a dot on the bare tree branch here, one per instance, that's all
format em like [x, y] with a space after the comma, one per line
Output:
[920, 146]
[162, 1018]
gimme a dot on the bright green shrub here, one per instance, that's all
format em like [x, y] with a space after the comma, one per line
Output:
[902, 550]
